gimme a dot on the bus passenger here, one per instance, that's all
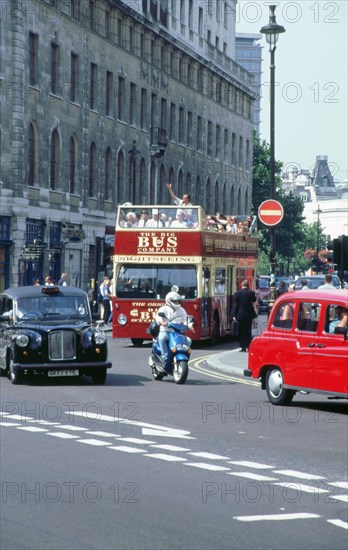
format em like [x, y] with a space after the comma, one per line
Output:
[154, 221]
[185, 201]
[179, 222]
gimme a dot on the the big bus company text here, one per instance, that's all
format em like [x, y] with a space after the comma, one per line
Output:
[161, 247]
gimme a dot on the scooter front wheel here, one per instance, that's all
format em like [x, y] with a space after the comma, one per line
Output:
[180, 372]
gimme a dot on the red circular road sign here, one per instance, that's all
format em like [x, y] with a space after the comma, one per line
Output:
[271, 212]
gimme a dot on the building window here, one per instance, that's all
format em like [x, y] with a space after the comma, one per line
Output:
[75, 9]
[190, 22]
[247, 156]
[163, 113]
[31, 155]
[132, 103]
[189, 129]
[54, 68]
[119, 31]
[120, 177]
[200, 22]
[33, 58]
[153, 52]
[72, 166]
[218, 142]
[121, 98]
[143, 109]
[181, 125]
[107, 24]
[74, 76]
[234, 149]
[107, 174]
[225, 145]
[182, 11]
[92, 172]
[54, 160]
[92, 18]
[172, 121]
[240, 152]
[210, 138]
[142, 46]
[209, 36]
[109, 93]
[131, 39]
[153, 113]
[93, 93]
[199, 133]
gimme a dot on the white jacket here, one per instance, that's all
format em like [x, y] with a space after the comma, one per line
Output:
[177, 315]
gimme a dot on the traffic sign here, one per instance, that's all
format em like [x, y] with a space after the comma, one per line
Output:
[271, 212]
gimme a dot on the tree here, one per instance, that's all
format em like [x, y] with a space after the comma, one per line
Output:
[292, 235]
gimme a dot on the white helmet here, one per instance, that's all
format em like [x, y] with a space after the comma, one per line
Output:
[173, 297]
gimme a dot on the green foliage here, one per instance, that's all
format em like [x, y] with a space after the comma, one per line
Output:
[292, 235]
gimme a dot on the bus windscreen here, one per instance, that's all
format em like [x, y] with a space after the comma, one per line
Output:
[139, 282]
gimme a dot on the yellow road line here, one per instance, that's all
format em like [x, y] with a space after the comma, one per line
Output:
[197, 367]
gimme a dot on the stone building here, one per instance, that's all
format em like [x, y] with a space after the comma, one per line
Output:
[103, 102]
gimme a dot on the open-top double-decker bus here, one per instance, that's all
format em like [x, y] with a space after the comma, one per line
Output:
[161, 247]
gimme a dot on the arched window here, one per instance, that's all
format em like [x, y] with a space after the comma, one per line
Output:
[120, 177]
[239, 202]
[142, 186]
[180, 183]
[153, 168]
[92, 174]
[197, 199]
[107, 174]
[72, 165]
[31, 156]
[207, 198]
[224, 200]
[216, 196]
[162, 186]
[246, 202]
[188, 183]
[54, 160]
[231, 210]
[171, 178]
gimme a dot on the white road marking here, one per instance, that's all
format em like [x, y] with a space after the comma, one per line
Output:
[148, 429]
[63, 435]
[338, 523]
[247, 464]
[251, 475]
[210, 456]
[45, 422]
[205, 466]
[103, 434]
[167, 458]
[95, 442]
[277, 517]
[20, 417]
[125, 449]
[340, 484]
[301, 487]
[31, 429]
[294, 473]
[170, 448]
[72, 428]
[343, 498]
[136, 440]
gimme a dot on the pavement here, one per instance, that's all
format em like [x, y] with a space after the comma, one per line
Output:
[229, 362]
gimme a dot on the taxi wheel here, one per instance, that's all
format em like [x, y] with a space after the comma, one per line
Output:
[276, 393]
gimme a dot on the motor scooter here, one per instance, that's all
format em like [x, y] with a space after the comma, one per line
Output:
[179, 350]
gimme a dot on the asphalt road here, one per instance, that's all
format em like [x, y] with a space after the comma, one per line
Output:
[143, 464]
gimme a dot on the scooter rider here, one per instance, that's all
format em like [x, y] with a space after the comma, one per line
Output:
[175, 313]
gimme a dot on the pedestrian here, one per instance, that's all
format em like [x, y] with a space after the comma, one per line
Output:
[304, 284]
[282, 288]
[63, 281]
[105, 288]
[327, 283]
[244, 302]
[36, 282]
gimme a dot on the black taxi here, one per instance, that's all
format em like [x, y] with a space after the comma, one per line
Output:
[50, 330]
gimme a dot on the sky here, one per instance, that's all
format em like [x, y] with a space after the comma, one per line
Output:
[311, 80]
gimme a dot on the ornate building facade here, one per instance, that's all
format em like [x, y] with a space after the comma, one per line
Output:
[103, 102]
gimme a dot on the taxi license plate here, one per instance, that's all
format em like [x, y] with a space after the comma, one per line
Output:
[65, 372]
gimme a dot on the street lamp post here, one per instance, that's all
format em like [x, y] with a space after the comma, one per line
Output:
[271, 32]
[132, 171]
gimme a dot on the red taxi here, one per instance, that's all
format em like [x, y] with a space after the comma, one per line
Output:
[304, 347]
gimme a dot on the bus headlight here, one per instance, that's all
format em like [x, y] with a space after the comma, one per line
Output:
[122, 319]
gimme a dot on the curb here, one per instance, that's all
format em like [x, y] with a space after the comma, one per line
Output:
[229, 362]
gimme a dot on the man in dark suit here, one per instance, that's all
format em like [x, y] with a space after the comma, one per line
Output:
[244, 313]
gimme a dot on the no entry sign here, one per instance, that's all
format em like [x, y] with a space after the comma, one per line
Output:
[271, 212]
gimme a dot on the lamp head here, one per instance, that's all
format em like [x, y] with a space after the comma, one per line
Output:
[272, 30]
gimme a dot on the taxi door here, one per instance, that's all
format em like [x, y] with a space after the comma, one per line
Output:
[307, 323]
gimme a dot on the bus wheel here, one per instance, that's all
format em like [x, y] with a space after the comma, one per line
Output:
[215, 335]
[137, 342]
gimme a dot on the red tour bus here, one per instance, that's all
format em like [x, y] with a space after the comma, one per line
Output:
[158, 247]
